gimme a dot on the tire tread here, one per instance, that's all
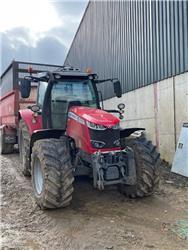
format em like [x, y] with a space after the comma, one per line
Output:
[56, 162]
[147, 168]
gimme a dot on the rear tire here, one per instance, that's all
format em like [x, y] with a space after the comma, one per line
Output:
[5, 148]
[24, 148]
[147, 161]
[52, 175]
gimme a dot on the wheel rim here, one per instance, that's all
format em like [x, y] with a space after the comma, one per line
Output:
[38, 176]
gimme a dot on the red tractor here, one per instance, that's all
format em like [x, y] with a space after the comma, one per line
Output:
[67, 134]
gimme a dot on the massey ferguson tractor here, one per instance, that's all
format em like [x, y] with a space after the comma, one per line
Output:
[67, 133]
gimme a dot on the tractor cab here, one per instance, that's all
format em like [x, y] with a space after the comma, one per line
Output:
[66, 92]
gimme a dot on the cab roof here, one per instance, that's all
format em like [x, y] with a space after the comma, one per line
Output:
[68, 71]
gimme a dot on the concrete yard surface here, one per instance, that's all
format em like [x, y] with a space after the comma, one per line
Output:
[95, 220]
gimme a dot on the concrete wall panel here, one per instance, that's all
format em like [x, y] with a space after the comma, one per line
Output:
[181, 102]
[167, 147]
[166, 106]
[139, 110]
[166, 118]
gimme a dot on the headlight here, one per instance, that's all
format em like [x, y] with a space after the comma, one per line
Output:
[95, 126]
[97, 144]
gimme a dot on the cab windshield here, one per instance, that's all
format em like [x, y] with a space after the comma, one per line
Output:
[74, 91]
[78, 92]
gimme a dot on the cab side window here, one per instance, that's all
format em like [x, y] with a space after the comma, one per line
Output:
[41, 92]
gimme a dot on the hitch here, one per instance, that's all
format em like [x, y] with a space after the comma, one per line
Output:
[111, 168]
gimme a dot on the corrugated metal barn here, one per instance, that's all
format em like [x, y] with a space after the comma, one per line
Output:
[145, 45]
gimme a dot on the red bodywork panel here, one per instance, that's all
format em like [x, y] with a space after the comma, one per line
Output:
[33, 123]
[10, 104]
[97, 116]
[78, 130]
[76, 125]
[8, 107]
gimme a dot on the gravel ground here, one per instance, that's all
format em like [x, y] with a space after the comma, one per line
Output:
[94, 220]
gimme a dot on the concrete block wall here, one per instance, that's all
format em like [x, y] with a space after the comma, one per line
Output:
[181, 101]
[161, 108]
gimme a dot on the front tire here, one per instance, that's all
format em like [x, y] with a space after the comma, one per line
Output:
[52, 175]
[147, 161]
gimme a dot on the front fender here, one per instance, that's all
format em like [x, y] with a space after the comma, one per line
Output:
[45, 134]
[128, 131]
[33, 122]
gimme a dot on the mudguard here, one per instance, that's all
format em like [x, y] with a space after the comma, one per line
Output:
[33, 122]
[45, 134]
[128, 131]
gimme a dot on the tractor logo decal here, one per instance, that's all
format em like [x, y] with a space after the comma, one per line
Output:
[76, 118]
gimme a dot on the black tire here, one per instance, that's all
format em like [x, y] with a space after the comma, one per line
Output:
[53, 158]
[5, 148]
[24, 148]
[147, 161]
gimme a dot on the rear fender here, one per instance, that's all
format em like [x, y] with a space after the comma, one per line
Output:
[45, 134]
[128, 131]
[33, 122]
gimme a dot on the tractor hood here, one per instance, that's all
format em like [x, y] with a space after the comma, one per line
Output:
[96, 116]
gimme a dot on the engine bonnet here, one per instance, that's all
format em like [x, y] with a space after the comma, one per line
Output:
[96, 116]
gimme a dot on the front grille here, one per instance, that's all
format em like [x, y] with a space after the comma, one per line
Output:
[108, 136]
[112, 159]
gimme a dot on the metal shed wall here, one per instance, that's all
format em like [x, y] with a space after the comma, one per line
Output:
[140, 42]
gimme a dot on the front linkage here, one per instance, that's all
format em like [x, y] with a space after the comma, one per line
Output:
[115, 167]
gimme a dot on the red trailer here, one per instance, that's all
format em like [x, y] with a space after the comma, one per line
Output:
[11, 102]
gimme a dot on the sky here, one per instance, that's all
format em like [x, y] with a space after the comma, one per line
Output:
[38, 31]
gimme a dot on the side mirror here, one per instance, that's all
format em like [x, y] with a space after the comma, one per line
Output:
[117, 89]
[25, 88]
